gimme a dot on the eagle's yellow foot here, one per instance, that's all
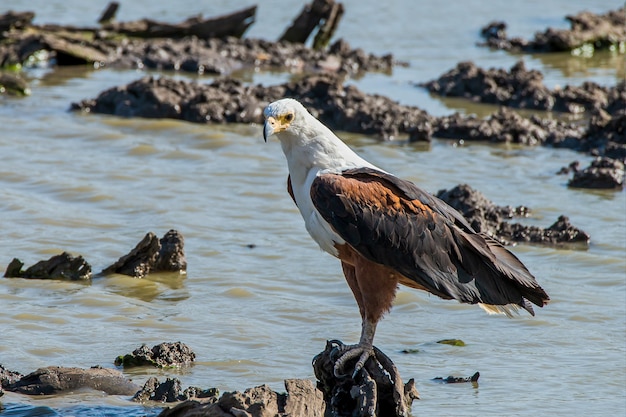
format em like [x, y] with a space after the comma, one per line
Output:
[349, 352]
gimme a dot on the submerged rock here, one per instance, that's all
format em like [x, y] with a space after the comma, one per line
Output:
[519, 88]
[486, 217]
[171, 391]
[163, 355]
[152, 255]
[63, 266]
[602, 173]
[507, 126]
[590, 30]
[57, 379]
[456, 379]
[230, 101]
[301, 399]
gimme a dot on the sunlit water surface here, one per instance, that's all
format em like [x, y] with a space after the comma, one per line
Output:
[260, 299]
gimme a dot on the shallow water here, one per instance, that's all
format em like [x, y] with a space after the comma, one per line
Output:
[94, 185]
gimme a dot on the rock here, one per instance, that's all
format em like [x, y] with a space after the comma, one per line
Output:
[377, 390]
[8, 377]
[56, 379]
[152, 255]
[13, 84]
[594, 31]
[195, 45]
[163, 355]
[509, 127]
[519, 88]
[302, 399]
[229, 101]
[485, 217]
[602, 173]
[171, 391]
[456, 379]
[63, 266]
[15, 21]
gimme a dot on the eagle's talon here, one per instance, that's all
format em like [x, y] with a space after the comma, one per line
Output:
[350, 352]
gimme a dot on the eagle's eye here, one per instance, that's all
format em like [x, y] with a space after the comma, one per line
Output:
[289, 117]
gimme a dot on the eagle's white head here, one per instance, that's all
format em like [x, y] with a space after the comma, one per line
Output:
[287, 117]
[306, 141]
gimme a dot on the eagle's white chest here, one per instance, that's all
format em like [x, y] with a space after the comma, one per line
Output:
[318, 228]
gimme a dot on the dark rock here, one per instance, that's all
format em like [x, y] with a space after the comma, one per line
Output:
[587, 29]
[13, 84]
[8, 377]
[603, 173]
[507, 126]
[485, 217]
[302, 399]
[195, 45]
[63, 266]
[456, 379]
[15, 21]
[152, 255]
[520, 88]
[171, 391]
[377, 390]
[56, 379]
[162, 355]
[229, 101]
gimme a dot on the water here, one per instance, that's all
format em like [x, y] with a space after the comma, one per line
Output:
[94, 185]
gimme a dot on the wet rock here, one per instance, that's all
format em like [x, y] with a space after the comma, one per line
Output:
[196, 45]
[457, 380]
[8, 377]
[56, 379]
[606, 134]
[490, 219]
[13, 84]
[507, 126]
[377, 390]
[594, 31]
[152, 255]
[301, 399]
[519, 88]
[163, 355]
[171, 391]
[229, 101]
[602, 173]
[63, 266]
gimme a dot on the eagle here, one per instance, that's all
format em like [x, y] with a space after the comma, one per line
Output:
[387, 231]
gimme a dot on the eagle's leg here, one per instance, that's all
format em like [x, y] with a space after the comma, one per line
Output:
[374, 289]
[363, 350]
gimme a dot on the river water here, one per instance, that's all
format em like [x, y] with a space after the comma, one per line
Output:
[260, 299]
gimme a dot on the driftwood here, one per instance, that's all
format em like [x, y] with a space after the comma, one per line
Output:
[63, 266]
[234, 24]
[324, 14]
[152, 255]
[109, 13]
[377, 389]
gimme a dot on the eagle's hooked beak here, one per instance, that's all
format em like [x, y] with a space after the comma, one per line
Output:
[269, 128]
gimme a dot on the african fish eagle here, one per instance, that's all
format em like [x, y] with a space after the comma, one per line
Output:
[387, 231]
